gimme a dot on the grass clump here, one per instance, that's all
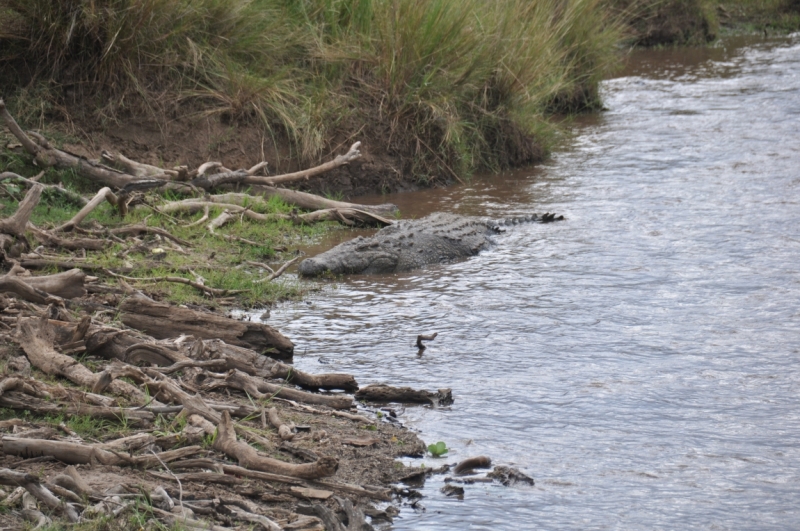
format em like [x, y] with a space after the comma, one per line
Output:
[447, 86]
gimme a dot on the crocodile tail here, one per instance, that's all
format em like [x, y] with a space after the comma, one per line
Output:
[496, 225]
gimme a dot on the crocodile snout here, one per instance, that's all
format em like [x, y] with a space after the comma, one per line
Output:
[311, 268]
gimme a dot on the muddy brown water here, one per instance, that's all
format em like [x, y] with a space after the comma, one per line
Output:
[642, 359]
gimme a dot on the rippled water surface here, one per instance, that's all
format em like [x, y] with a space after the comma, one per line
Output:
[640, 360]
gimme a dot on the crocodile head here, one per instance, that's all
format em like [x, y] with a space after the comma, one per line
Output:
[353, 257]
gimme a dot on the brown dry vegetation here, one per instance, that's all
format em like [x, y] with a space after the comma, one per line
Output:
[434, 89]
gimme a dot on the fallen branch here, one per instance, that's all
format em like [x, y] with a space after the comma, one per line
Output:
[214, 292]
[35, 336]
[385, 393]
[25, 291]
[285, 431]
[12, 228]
[31, 484]
[248, 457]
[252, 363]
[208, 182]
[302, 200]
[204, 218]
[24, 402]
[138, 169]
[68, 285]
[48, 238]
[352, 154]
[163, 320]
[69, 194]
[83, 454]
[259, 388]
[275, 274]
[219, 221]
[46, 156]
[105, 194]
[265, 522]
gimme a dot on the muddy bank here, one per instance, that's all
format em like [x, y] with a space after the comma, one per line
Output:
[194, 141]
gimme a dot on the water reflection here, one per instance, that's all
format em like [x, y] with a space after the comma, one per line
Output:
[640, 359]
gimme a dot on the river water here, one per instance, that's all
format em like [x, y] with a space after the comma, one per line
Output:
[639, 360]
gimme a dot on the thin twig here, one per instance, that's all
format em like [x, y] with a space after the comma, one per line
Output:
[279, 272]
[180, 487]
[180, 280]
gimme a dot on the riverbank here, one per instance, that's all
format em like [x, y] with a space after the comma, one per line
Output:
[433, 90]
[117, 359]
[697, 22]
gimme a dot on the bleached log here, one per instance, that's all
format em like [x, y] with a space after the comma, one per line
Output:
[105, 194]
[67, 285]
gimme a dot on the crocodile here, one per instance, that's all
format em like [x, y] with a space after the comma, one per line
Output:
[410, 244]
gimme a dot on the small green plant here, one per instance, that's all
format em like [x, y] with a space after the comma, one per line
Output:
[438, 449]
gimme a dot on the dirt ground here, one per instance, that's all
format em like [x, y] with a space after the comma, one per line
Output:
[193, 141]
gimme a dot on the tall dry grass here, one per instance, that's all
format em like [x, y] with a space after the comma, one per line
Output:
[449, 86]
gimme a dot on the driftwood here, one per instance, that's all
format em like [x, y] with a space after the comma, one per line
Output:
[352, 215]
[263, 521]
[35, 336]
[259, 388]
[355, 517]
[67, 285]
[15, 225]
[32, 485]
[12, 228]
[254, 364]
[105, 194]
[84, 454]
[352, 154]
[285, 431]
[468, 465]
[239, 471]
[308, 201]
[133, 347]
[208, 182]
[24, 402]
[276, 273]
[237, 202]
[57, 188]
[138, 169]
[385, 393]
[248, 457]
[44, 390]
[48, 238]
[23, 290]
[163, 320]
[213, 292]
[47, 156]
